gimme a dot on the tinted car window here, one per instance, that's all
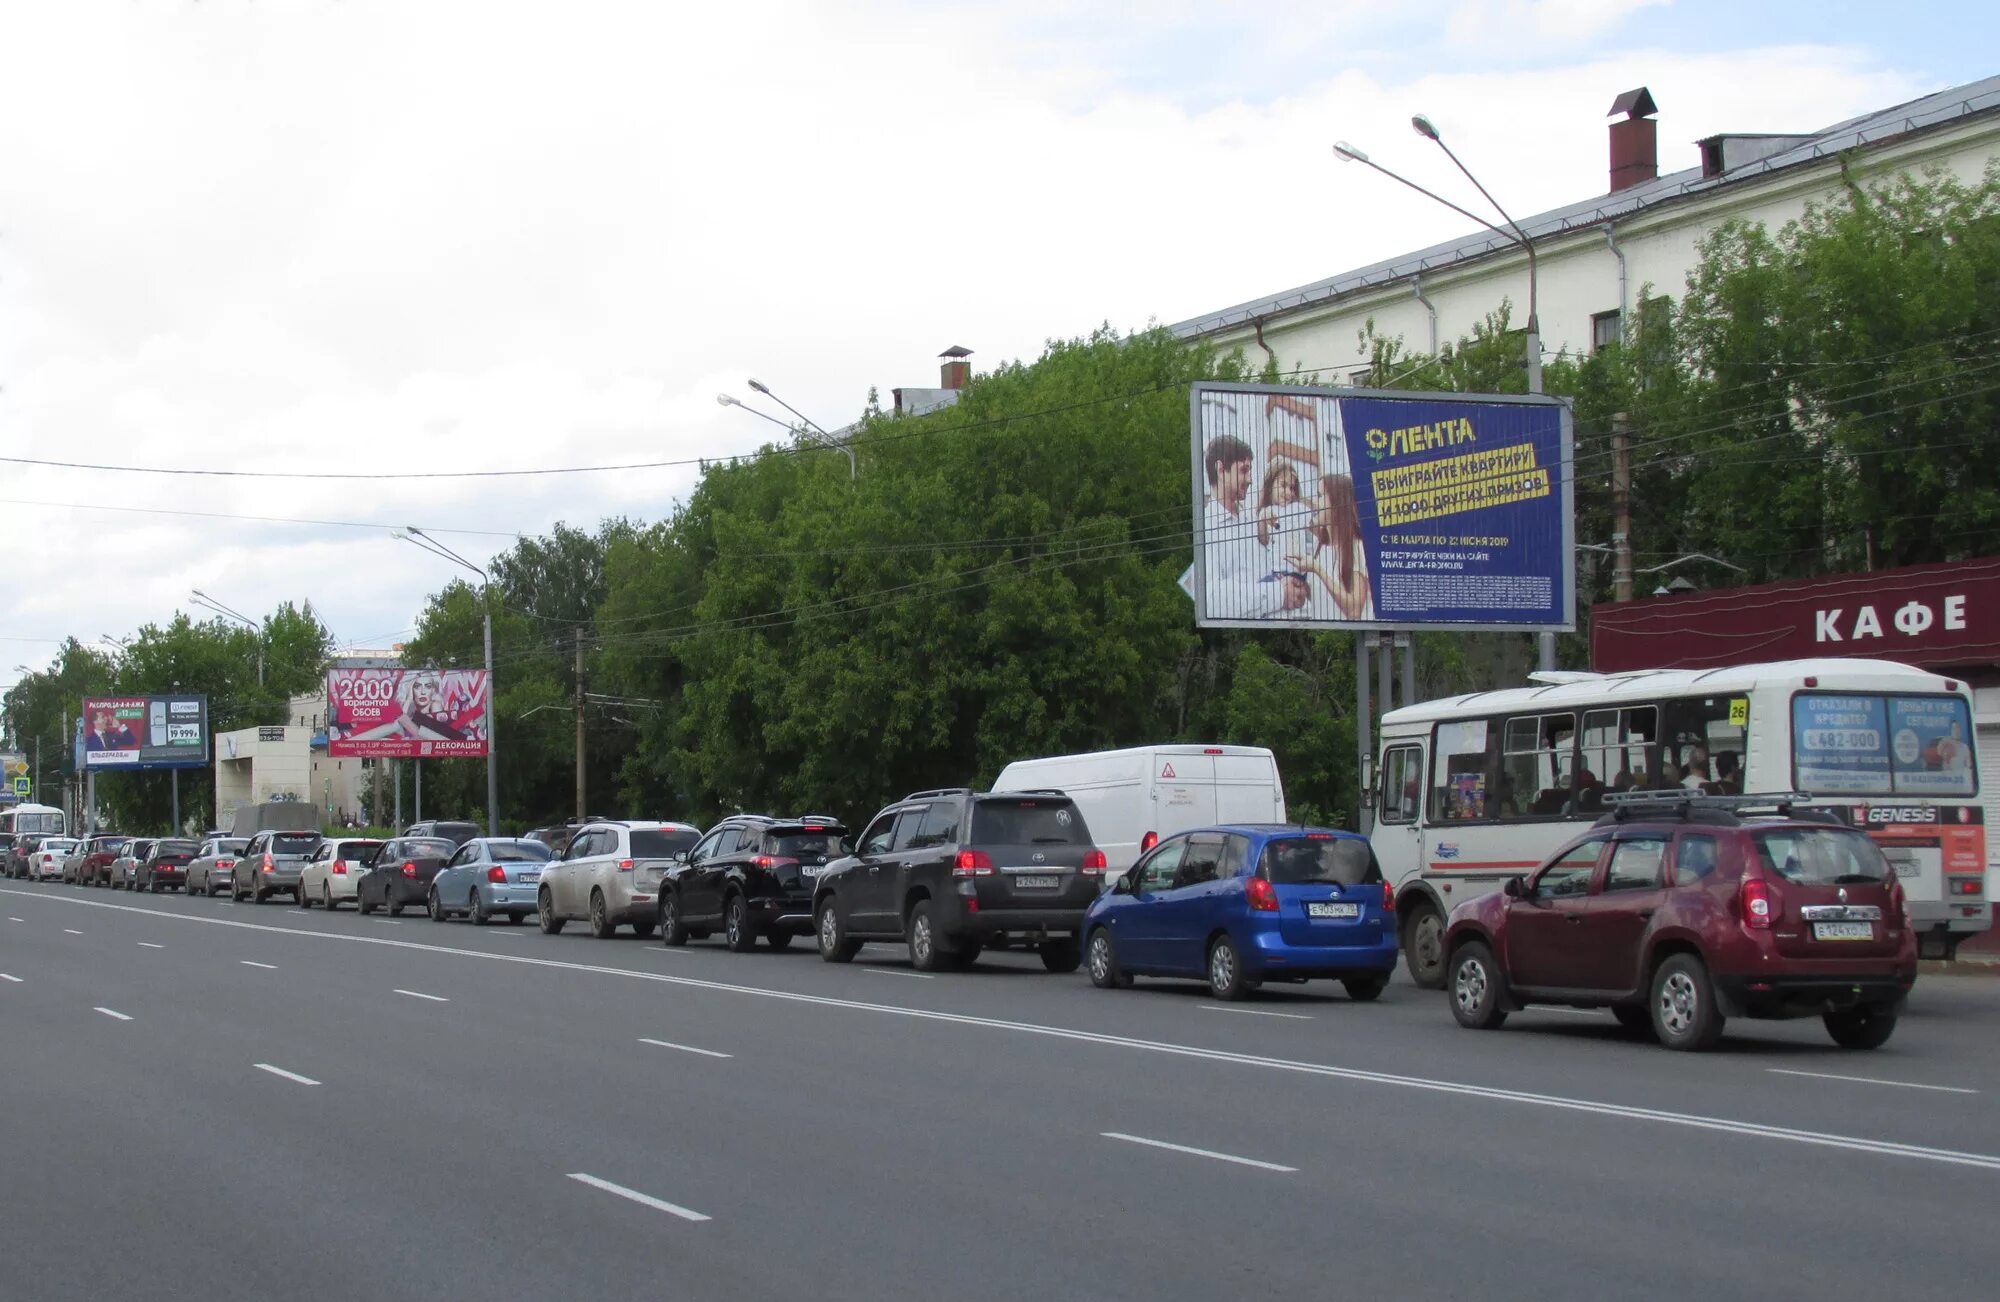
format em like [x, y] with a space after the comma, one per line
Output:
[1199, 864]
[939, 826]
[1570, 875]
[1821, 856]
[294, 843]
[880, 833]
[523, 852]
[1027, 822]
[231, 847]
[1157, 872]
[175, 847]
[802, 845]
[1694, 859]
[1302, 860]
[660, 843]
[1635, 864]
[356, 849]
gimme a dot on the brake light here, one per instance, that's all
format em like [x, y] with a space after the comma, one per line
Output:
[1148, 841]
[1093, 861]
[763, 861]
[1388, 898]
[972, 863]
[1211, 750]
[1319, 836]
[340, 867]
[624, 865]
[1758, 903]
[1262, 895]
[496, 874]
[225, 863]
[267, 863]
[1965, 885]
[409, 870]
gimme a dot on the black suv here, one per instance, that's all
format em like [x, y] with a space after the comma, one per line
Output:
[950, 872]
[751, 875]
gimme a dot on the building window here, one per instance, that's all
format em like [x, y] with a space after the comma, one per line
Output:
[1606, 329]
[1360, 379]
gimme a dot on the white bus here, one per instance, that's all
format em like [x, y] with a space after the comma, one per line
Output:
[41, 819]
[1472, 790]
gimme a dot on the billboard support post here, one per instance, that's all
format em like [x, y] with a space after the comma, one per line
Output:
[418, 817]
[492, 713]
[1364, 746]
[177, 802]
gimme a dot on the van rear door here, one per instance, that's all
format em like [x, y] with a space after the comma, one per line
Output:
[1247, 790]
[1183, 783]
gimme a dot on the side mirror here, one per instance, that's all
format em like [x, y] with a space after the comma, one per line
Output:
[1124, 884]
[1516, 888]
[680, 856]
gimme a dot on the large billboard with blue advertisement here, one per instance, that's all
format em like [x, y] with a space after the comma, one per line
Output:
[1352, 508]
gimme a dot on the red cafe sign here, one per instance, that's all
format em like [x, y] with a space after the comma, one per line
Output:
[1931, 616]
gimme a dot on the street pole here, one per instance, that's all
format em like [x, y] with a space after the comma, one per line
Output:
[579, 726]
[176, 824]
[1364, 751]
[396, 781]
[420, 791]
[1621, 507]
[492, 725]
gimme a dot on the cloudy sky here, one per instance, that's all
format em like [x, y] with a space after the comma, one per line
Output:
[413, 237]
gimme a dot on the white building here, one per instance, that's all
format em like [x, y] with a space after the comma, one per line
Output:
[1598, 255]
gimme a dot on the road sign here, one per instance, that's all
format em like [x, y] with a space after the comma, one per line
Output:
[22, 786]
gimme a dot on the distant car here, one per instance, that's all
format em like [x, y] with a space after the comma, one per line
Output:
[213, 867]
[487, 878]
[1681, 913]
[950, 872]
[105, 852]
[555, 838]
[123, 870]
[81, 864]
[749, 876]
[610, 873]
[1244, 904]
[456, 833]
[12, 865]
[333, 875]
[400, 875]
[165, 866]
[50, 858]
[272, 863]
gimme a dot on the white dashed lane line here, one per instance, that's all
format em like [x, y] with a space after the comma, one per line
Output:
[1198, 1152]
[288, 1075]
[268, 967]
[644, 1200]
[1254, 1012]
[1871, 1080]
[112, 1013]
[684, 1048]
[9, 976]
[436, 999]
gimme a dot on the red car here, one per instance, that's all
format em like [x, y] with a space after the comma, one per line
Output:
[1682, 913]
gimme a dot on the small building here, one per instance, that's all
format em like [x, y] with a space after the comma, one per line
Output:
[256, 765]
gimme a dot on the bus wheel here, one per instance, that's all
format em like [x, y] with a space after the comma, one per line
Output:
[1423, 947]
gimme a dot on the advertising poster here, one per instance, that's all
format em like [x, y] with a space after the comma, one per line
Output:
[406, 713]
[1340, 508]
[1930, 739]
[145, 732]
[1855, 744]
[14, 781]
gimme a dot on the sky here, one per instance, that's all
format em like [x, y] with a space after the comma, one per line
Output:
[416, 237]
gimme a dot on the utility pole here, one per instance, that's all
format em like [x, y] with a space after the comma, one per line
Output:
[579, 726]
[1621, 507]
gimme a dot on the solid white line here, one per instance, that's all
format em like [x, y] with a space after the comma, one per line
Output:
[147, 944]
[684, 1048]
[436, 999]
[1690, 1121]
[1197, 1152]
[71, 931]
[288, 1075]
[112, 1012]
[896, 971]
[1870, 1080]
[1254, 1012]
[9, 976]
[268, 967]
[646, 1200]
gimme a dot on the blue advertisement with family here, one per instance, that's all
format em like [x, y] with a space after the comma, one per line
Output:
[1331, 508]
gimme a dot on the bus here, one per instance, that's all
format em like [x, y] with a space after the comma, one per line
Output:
[1472, 790]
[43, 820]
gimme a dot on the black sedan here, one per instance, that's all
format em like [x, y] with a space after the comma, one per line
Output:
[164, 867]
[401, 874]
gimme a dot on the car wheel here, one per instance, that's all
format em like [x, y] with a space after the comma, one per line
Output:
[363, 903]
[673, 932]
[515, 919]
[1365, 989]
[780, 939]
[966, 955]
[926, 954]
[1476, 988]
[1105, 973]
[1635, 1018]
[545, 909]
[1061, 955]
[1861, 1028]
[835, 945]
[326, 896]
[738, 933]
[258, 895]
[476, 911]
[395, 905]
[305, 900]
[1423, 947]
[1683, 1005]
[156, 888]
[1225, 971]
[601, 925]
[435, 907]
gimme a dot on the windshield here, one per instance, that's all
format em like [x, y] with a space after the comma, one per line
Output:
[38, 822]
[661, 843]
[1857, 744]
[814, 845]
[1333, 860]
[1822, 856]
[426, 845]
[517, 851]
[114, 846]
[1028, 822]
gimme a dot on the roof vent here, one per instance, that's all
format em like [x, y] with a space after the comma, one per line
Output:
[956, 372]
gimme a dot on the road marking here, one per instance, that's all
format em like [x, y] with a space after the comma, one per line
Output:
[288, 1075]
[112, 1013]
[1573, 1012]
[13, 919]
[896, 971]
[436, 999]
[1463, 1089]
[1871, 1080]
[71, 931]
[394, 922]
[1254, 1012]
[147, 944]
[1197, 1152]
[9, 976]
[684, 1048]
[268, 967]
[644, 1200]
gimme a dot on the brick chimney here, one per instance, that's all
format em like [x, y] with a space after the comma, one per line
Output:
[1635, 140]
[956, 372]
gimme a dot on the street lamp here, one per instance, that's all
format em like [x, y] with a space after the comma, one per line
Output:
[810, 431]
[206, 602]
[418, 538]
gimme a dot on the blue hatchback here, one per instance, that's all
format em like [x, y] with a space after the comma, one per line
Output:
[1240, 905]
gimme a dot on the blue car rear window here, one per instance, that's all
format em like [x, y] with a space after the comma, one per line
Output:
[1305, 860]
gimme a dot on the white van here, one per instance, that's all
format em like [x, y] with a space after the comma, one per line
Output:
[1131, 798]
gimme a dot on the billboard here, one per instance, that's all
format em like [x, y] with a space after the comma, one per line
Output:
[15, 784]
[1378, 509]
[406, 713]
[145, 732]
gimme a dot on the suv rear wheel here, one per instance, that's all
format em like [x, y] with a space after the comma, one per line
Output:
[601, 925]
[1061, 955]
[1861, 1028]
[1476, 988]
[1683, 1004]
[738, 932]
[673, 932]
[545, 910]
[835, 946]
[926, 951]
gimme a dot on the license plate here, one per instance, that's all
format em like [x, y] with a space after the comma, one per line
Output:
[529, 879]
[1843, 931]
[1038, 883]
[1332, 910]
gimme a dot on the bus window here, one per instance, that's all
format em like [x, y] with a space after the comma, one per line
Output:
[1619, 749]
[1402, 783]
[1536, 775]
[1706, 739]
[1461, 761]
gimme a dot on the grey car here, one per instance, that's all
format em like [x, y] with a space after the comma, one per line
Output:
[124, 870]
[211, 871]
[272, 862]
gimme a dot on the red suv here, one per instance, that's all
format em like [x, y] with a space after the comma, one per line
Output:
[1682, 912]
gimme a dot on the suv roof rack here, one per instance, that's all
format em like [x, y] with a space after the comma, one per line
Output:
[940, 791]
[812, 818]
[1692, 806]
[1031, 791]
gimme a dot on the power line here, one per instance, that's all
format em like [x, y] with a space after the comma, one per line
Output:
[263, 519]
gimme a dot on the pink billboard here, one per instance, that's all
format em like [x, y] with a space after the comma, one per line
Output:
[406, 713]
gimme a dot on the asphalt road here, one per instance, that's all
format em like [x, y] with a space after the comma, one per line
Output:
[204, 1100]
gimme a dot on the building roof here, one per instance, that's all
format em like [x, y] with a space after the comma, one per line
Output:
[1943, 108]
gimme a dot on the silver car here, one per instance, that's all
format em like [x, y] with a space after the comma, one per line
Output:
[124, 870]
[272, 862]
[489, 877]
[610, 873]
[211, 871]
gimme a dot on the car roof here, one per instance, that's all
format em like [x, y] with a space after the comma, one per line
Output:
[1254, 830]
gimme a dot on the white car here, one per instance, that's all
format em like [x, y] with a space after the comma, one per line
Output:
[330, 875]
[46, 864]
[610, 874]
